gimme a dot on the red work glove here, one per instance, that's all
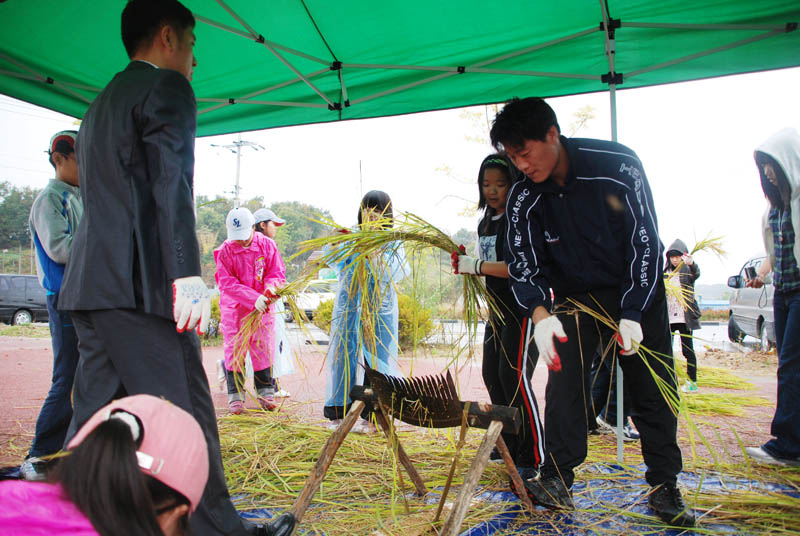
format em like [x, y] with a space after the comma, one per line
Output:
[454, 257]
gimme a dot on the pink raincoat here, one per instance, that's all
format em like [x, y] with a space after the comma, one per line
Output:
[39, 509]
[242, 275]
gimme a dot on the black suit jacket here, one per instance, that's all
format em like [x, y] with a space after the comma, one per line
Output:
[135, 153]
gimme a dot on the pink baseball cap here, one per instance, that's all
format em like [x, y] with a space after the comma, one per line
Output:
[173, 448]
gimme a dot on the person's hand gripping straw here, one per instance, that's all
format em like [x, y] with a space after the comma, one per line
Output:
[629, 336]
[191, 305]
[543, 334]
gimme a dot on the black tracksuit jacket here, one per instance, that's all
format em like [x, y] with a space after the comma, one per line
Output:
[597, 231]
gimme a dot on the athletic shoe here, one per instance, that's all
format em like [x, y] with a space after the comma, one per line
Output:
[267, 403]
[689, 387]
[667, 503]
[603, 427]
[364, 427]
[236, 407]
[333, 424]
[629, 433]
[282, 393]
[33, 470]
[549, 492]
[495, 456]
[762, 456]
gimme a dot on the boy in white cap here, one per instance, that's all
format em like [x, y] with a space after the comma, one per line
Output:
[53, 219]
[249, 268]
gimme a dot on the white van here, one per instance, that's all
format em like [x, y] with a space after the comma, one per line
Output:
[751, 308]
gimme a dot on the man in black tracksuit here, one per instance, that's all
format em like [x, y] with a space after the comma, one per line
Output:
[582, 223]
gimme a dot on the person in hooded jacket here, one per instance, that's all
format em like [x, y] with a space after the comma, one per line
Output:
[684, 317]
[778, 161]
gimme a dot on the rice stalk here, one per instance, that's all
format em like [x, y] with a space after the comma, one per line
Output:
[415, 234]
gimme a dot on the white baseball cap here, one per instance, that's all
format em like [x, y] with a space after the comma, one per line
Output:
[240, 223]
[265, 214]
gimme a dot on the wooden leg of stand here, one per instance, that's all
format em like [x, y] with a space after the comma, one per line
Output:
[516, 480]
[401, 453]
[453, 523]
[325, 458]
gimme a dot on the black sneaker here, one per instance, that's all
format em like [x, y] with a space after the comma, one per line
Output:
[549, 492]
[495, 456]
[283, 525]
[668, 505]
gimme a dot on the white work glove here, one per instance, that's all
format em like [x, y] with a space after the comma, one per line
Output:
[261, 303]
[191, 306]
[629, 336]
[469, 265]
[687, 259]
[543, 334]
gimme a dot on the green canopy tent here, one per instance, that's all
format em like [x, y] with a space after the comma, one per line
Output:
[289, 62]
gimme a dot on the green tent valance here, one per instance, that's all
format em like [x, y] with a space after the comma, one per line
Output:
[287, 62]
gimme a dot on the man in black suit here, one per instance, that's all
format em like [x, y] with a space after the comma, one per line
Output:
[133, 281]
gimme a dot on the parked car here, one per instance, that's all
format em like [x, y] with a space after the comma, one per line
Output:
[316, 292]
[751, 308]
[22, 299]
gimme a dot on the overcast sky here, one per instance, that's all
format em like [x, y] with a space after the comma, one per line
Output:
[695, 140]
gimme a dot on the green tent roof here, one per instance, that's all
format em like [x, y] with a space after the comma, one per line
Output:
[285, 62]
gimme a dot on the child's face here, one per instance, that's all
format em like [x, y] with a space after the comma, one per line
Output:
[675, 260]
[271, 229]
[246, 243]
[495, 187]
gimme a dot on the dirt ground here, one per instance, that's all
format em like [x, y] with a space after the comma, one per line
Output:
[25, 368]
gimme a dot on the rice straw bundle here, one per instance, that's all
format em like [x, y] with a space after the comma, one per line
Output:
[415, 234]
[249, 326]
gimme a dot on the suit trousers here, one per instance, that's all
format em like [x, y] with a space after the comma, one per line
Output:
[567, 397]
[127, 352]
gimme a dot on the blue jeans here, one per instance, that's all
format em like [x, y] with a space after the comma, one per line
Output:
[56, 412]
[786, 422]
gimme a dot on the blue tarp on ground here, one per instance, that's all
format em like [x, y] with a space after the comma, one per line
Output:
[598, 499]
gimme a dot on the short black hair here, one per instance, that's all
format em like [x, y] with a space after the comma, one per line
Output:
[378, 201]
[142, 19]
[522, 119]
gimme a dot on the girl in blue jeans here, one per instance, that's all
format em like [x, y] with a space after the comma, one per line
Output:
[778, 161]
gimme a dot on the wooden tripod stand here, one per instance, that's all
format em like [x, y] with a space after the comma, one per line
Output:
[492, 418]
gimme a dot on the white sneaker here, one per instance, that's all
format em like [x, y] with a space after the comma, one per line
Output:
[282, 393]
[689, 387]
[364, 427]
[605, 427]
[333, 424]
[761, 455]
[33, 470]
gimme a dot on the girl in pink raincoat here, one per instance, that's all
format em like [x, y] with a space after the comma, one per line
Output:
[249, 267]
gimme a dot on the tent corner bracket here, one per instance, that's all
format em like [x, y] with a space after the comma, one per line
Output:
[615, 79]
[613, 24]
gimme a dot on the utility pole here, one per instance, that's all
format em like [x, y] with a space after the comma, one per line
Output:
[236, 147]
